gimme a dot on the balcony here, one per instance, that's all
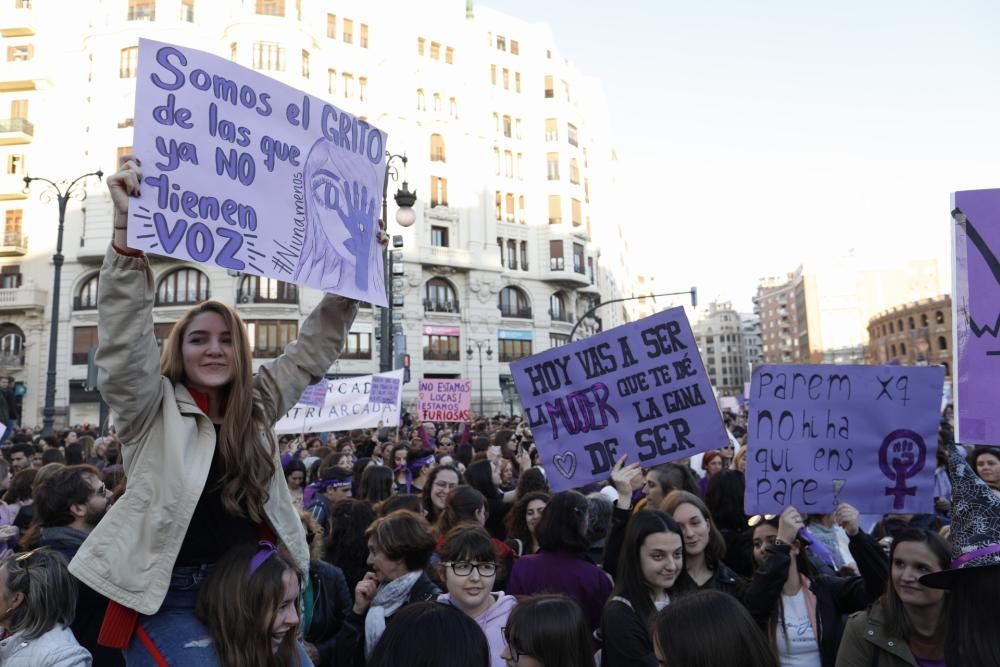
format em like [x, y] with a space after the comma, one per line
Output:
[453, 258]
[12, 187]
[16, 19]
[23, 75]
[22, 299]
[521, 313]
[16, 131]
[432, 306]
[12, 245]
[565, 277]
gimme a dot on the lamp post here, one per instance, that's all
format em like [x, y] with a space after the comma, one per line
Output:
[694, 303]
[62, 191]
[405, 217]
[489, 355]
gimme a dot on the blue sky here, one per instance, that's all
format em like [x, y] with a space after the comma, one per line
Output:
[759, 134]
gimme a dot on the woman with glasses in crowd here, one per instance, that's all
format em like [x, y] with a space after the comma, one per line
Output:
[443, 478]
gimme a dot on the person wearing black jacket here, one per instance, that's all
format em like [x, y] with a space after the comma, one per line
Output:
[783, 593]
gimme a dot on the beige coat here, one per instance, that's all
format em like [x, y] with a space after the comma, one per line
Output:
[168, 442]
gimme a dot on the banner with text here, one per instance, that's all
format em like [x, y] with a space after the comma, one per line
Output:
[252, 175]
[820, 435]
[347, 405]
[638, 389]
[444, 400]
[976, 314]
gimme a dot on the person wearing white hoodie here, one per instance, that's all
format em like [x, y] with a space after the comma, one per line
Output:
[468, 567]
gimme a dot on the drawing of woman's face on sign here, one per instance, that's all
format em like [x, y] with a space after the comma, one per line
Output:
[342, 197]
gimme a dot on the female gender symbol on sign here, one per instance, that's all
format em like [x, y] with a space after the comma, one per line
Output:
[901, 456]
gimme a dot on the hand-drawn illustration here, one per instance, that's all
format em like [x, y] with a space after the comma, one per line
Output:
[901, 456]
[341, 224]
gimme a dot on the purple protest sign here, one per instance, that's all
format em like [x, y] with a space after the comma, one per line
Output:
[444, 400]
[976, 304]
[638, 389]
[820, 435]
[314, 394]
[384, 390]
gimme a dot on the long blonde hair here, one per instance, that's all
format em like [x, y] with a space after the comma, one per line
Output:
[247, 467]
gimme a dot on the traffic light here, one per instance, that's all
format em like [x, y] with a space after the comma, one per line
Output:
[406, 368]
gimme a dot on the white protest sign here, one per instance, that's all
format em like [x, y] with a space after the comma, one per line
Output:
[347, 406]
[250, 174]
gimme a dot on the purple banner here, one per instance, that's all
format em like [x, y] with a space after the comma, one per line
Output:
[820, 435]
[639, 389]
[314, 394]
[384, 390]
[976, 310]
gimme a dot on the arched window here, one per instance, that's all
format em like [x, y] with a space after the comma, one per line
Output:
[923, 319]
[557, 307]
[902, 348]
[947, 369]
[256, 289]
[942, 343]
[892, 349]
[421, 103]
[899, 326]
[514, 303]
[86, 298]
[440, 297]
[183, 287]
[939, 317]
[11, 346]
[912, 323]
[437, 148]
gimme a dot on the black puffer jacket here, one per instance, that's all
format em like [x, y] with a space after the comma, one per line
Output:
[331, 601]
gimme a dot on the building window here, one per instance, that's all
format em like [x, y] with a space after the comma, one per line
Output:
[437, 102]
[86, 297]
[514, 303]
[517, 82]
[498, 205]
[574, 171]
[183, 287]
[576, 217]
[454, 107]
[557, 307]
[439, 236]
[506, 126]
[12, 227]
[524, 255]
[439, 297]
[517, 126]
[121, 152]
[506, 79]
[555, 210]
[512, 350]
[141, 10]
[331, 26]
[551, 129]
[902, 348]
[269, 338]
[187, 11]
[359, 346]
[923, 322]
[521, 214]
[439, 191]
[84, 338]
[552, 166]
[549, 88]
[20, 53]
[520, 166]
[512, 254]
[232, 52]
[363, 88]
[449, 55]
[10, 276]
[128, 60]
[271, 7]
[348, 84]
[501, 43]
[305, 63]
[571, 134]
[441, 348]
[942, 343]
[556, 260]
[557, 340]
[348, 31]
[590, 270]
[939, 317]
[509, 200]
[421, 101]
[500, 243]
[578, 262]
[256, 289]
[514, 47]
[912, 323]
[496, 156]
[421, 44]
[363, 41]
[493, 74]
[435, 51]
[331, 81]
[269, 56]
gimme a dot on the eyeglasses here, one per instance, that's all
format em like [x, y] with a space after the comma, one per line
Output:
[515, 653]
[757, 518]
[444, 485]
[464, 568]
[102, 490]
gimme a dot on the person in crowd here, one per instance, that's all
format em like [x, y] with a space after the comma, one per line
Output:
[484, 476]
[377, 484]
[907, 625]
[650, 568]
[803, 614]
[8, 408]
[398, 455]
[195, 423]
[712, 462]
[740, 460]
[295, 477]
[561, 565]
[358, 471]
[20, 456]
[830, 546]
[19, 494]
[429, 634]
[346, 544]
[679, 633]
[600, 507]
[704, 547]
[531, 480]
[442, 479]
[466, 506]
[724, 500]
[333, 486]
[399, 549]
[470, 566]
[325, 599]
[250, 605]
[37, 607]
[661, 480]
[419, 464]
[401, 501]
[522, 522]
[548, 631]
[986, 462]
[54, 455]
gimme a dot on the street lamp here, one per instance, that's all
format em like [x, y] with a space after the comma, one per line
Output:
[405, 217]
[489, 355]
[694, 304]
[62, 191]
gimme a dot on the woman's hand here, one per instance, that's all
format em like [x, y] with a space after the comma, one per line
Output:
[847, 517]
[123, 184]
[364, 593]
[623, 479]
[789, 525]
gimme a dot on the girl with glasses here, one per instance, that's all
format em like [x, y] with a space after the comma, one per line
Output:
[548, 631]
[469, 567]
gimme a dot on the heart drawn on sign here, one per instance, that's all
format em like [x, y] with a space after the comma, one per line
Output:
[565, 464]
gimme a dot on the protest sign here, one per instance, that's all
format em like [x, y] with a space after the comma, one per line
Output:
[820, 435]
[384, 390]
[638, 389]
[252, 175]
[314, 394]
[976, 315]
[346, 405]
[444, 400]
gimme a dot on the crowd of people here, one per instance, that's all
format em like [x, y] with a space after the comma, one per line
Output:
[190, 534]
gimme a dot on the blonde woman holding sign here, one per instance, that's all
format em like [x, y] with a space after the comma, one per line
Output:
[202, 465]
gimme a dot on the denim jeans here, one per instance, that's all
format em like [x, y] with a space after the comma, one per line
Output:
[175, 632]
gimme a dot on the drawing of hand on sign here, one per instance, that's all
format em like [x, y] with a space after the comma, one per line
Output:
[340, 220]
